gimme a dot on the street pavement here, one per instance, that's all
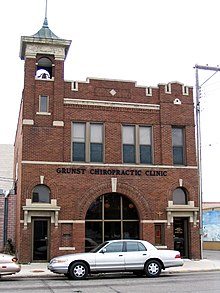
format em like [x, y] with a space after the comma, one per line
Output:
[210, 262]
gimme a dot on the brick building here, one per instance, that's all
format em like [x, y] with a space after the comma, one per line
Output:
[101, 159]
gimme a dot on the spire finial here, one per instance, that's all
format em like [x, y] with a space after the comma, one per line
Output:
[45, 19]
[46, 10]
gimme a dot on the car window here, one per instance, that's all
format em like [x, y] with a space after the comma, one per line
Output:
[114, 247]
[135, 246]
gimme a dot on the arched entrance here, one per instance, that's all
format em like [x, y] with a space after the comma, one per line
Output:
[110, 216]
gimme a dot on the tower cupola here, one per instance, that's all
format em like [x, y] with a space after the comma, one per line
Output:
[44, 42]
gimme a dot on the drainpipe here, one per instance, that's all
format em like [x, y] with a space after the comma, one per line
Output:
[5, 235]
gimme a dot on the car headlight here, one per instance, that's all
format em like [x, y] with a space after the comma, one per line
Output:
[58, 260]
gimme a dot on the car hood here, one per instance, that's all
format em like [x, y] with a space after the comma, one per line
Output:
[74, 256]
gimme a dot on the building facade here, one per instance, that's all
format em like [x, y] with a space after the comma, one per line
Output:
[101, 159]
[211, 225]
[7, 197]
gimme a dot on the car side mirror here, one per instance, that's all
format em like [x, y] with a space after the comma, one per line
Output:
[103, 250]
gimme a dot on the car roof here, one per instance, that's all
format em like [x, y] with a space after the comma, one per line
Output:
[126, 240]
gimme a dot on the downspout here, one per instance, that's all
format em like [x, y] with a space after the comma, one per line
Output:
[5, 235]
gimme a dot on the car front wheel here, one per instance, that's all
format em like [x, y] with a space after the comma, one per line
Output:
[153, 268]
[78, 271]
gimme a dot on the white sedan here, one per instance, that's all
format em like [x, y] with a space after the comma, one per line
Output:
[137, 256]
[8, 264]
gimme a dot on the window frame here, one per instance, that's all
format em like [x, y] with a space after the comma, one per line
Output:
[88, 142]
[40, 104]
[34, 196]
[137, 144]
[176, 147]
[177, 197]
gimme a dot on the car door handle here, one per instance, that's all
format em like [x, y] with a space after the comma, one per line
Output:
[144, 254]
[120, 255]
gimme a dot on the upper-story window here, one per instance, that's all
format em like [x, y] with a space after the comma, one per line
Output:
[43, 104]
[44, 68]
[87, 142]
[178, 144]
[137, 144]
[179, 196]
[41, 194]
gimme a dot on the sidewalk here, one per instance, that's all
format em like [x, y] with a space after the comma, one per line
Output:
[210, 262]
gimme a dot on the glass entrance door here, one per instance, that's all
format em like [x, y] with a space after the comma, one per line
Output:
[40, 239]
[180, 231]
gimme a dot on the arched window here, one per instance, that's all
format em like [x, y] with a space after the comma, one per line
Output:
[41, 194]
[111, 216]
[44, 68]
[179, 196]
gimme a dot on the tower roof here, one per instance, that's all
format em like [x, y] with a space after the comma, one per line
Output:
[45, 31]
[44, 38]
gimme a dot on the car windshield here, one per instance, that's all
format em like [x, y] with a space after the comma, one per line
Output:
[97, 248]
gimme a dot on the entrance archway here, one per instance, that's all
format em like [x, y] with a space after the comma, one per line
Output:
[110, 216]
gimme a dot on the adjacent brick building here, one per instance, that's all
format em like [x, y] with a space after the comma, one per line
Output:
[101, 159]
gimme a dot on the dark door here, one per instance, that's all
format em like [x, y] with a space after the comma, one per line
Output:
[40, 239]
[180, 227]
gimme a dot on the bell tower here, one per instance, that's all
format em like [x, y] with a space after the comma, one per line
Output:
[44, 54]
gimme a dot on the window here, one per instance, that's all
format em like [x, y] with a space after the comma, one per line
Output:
[79, 130]
[87, 145]
[135, 246]
[128, 144]
[115, 247]
[111, 216]
[137, 144]
[159, 234]
[96, 145]
[179, 196]
[41, 194]
[43, 104]
[145, 145]
[178, 146]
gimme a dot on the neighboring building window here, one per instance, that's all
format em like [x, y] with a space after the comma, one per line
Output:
[178, 146]
[179, 196]
[137, 144]
[159, 234]
[41, 194]
[87, 145]
[43, 104]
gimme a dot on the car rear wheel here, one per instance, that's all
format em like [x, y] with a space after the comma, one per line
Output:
[78, 271]
[153, 268]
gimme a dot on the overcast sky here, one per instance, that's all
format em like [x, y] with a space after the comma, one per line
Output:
[147, 41]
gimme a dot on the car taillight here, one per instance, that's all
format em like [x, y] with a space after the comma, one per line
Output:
[178, 256]
[14, 259]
